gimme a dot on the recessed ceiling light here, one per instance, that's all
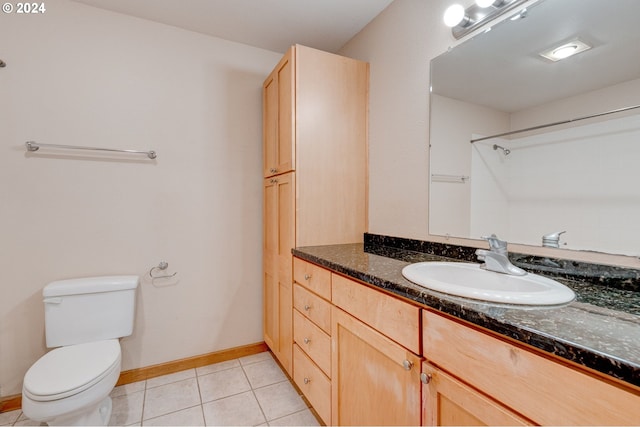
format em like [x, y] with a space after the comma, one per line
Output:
[565, 50]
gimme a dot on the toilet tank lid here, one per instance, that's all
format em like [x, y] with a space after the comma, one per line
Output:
[89, 285]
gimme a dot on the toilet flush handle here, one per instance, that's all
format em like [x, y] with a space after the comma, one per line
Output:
[55, 300]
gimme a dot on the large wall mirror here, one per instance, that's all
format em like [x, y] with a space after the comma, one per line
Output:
[581, 175]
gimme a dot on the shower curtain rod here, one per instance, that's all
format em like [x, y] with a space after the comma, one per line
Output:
[619, 110]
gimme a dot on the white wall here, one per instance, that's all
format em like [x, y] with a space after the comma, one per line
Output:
[593, 196]
[452, 124]
[83, 76]
[399, 44]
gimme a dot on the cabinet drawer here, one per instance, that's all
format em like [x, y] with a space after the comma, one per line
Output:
[543, 390]
[312, 307]
[313, 341]
[396, 319]
[312, 277]
[313, 383]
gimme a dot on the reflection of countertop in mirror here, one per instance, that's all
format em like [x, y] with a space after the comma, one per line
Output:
[604, 337]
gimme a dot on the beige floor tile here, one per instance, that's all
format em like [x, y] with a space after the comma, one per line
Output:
[171, 378]
[24, 421]
[240, 409]
[8, 418]
[121, 390]
[258, 357]
[170, 398]
[216, 367]
[279, 400]
[28, 422]
[302, 418]
[127, 409]
[264, 373]
[222, 384]
[186, 417]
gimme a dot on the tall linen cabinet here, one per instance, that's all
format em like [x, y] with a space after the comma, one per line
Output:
[315, 107]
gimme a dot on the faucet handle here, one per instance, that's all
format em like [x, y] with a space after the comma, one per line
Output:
[552, 240]
[495, 244]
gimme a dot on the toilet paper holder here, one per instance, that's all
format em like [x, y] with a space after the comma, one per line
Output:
[162, 267]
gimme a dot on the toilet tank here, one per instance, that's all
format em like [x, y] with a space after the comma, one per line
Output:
[89, 309]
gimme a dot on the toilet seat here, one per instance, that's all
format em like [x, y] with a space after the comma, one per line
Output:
[69, 370]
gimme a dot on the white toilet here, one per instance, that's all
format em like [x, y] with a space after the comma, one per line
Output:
[84, 318]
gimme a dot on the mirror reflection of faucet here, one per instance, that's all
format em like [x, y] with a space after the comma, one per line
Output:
[552, 240]
[497, 258]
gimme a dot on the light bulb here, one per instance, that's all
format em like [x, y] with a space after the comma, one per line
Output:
[454, 15]
[484, 3]
[565, 51]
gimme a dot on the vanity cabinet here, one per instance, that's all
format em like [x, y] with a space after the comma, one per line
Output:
[448, 401]
[375, 378]
[312, 335]
[517, 381]
[315, 160]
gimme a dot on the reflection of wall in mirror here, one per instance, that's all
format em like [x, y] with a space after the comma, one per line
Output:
[452, 124]
[582, 179]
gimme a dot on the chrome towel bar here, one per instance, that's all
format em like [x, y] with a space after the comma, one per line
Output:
[459, 179]
[35, 146]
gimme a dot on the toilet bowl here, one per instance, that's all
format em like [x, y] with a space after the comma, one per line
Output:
[84, 319]
[71, 385]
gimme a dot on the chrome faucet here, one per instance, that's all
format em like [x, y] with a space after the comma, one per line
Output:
[497, 258]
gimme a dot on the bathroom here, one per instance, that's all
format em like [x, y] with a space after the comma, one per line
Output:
[80, 75]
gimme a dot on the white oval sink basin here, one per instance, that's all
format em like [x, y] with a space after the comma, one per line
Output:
[471, 281]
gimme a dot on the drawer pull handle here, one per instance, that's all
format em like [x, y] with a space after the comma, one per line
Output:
[307, 276]
[306, 380]
[307, 307]
[273, 170]
[307, 340]
[425, 378]
[407, 365]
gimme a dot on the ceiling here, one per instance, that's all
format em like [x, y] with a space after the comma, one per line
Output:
[268, 24]
[502, 69]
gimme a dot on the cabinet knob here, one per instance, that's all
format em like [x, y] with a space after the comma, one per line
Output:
[307, 276]
[307, 340]
[407, 365]
[274, 181]
[425, 378]
[306, 380]
[273, 170]
[307, 307]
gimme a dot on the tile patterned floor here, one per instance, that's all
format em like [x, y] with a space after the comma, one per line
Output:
[249, 391]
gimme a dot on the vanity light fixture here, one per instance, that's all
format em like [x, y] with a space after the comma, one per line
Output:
[463, 21]
[565, 50]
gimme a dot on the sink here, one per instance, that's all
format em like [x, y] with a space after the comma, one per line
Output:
[470, 281]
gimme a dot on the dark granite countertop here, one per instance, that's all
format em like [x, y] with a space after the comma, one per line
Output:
[600, 330]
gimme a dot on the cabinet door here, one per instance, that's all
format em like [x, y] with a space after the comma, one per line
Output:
[278, 104]
[449, 402]
[374, 380]
[277, 286]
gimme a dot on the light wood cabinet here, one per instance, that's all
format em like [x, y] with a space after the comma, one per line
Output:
[277, 285]
[278, 119]
[375, 381]
[315, 137]
[450, 402]
[312, 306]
[395, 318]
[541, 389]
[311, 335]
